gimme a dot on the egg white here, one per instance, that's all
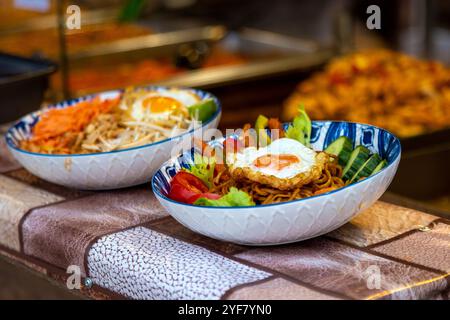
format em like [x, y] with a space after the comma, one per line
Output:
[246, 157]
[185, 98]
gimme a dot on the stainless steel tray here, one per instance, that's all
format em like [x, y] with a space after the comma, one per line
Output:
[268, 53]
[227, 75]
[148, 46]
[49, 21]
[255, 44]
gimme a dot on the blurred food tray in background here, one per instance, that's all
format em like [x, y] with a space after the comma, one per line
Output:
[403, 94]
[141, 60]
[217, 58]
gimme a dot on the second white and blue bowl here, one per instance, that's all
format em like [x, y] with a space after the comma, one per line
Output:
[294, 220]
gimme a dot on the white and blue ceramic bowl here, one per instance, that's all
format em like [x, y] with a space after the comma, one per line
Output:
[105, 170]
[295, 220]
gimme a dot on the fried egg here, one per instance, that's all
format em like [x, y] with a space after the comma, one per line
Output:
[283, 164]
[159, 105]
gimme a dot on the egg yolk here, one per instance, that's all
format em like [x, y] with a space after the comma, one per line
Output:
[275, 161]
[161, 104]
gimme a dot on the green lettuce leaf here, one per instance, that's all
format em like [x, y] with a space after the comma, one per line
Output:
[203, 168]
[234, 198]
[295, 133]
[301, 127]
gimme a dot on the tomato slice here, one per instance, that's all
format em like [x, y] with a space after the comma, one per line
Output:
[180, 193]
[186, 188]
[190, 182]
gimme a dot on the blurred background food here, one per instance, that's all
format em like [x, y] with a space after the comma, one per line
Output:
[403, 94]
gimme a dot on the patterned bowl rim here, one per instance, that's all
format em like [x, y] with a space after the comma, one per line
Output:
[397, 159]
[67, 103]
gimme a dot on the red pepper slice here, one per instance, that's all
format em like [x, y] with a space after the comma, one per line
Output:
[233, 145]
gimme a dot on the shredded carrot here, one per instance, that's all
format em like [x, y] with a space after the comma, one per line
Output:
[57, 128]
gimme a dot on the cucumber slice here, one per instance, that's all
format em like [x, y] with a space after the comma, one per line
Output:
[357, 159]
[342, 147]
[202, 111]
[367, 168]
[380, 166]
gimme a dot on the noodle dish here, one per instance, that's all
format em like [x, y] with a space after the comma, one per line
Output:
[272, 183]
[112, 139]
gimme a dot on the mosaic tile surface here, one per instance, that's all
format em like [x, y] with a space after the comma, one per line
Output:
[143, 264]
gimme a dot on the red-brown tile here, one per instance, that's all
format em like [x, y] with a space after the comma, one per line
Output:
[28, 178]
[336, 267]
[277, 289]
[430, 247]
[59, 234]
[380, 222]
[16, 199]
